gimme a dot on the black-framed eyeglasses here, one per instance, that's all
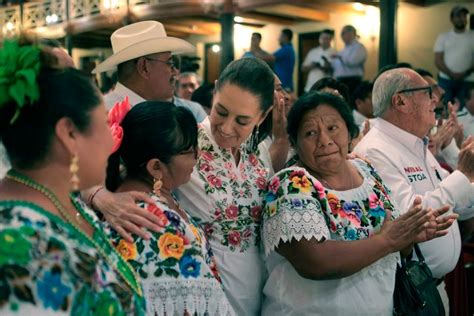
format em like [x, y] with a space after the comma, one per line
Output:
[170, 63]
[428, 88]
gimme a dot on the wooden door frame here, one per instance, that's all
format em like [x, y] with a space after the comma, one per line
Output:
[206, 47]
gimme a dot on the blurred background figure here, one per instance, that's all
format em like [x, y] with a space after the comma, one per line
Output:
[186, 84]
[454, 56]
[362, 103]
[349, 63]
[317, 61]
[256, 51]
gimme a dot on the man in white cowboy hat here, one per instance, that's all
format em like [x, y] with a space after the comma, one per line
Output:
[142, 53]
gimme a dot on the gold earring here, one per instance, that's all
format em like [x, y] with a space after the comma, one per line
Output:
[157, 184]
[74, 169]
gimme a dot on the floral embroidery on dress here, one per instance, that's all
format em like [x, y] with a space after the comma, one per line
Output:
[238, 193]
[294, 193]
[46, 266]
[176, 266]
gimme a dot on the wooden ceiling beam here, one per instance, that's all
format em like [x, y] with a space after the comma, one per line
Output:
[189, 29]
[293, 11]
[266, 18]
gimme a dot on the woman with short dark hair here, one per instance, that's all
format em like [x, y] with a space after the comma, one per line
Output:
[330, 233]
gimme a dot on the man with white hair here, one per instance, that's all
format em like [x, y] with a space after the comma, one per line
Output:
[398, 148]
[142, 54]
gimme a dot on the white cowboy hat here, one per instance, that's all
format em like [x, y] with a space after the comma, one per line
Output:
[141, 39]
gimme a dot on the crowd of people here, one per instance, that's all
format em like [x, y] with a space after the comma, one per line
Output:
[168, 197]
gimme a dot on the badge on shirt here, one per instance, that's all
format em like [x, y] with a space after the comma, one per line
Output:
[415, 174]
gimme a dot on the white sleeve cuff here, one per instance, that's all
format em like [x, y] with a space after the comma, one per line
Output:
[461, 189]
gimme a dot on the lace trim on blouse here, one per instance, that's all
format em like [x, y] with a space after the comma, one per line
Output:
[294, 223]
[174, 297]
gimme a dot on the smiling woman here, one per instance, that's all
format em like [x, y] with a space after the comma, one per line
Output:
[226, 188]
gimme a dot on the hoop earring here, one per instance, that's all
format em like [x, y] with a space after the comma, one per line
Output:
[157, 185]
[74, 169]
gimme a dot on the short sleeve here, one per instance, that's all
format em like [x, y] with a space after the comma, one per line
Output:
[293, 209]
[281, 53]
[439, 44]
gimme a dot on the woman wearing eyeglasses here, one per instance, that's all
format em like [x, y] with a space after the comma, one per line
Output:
[226, 190]
[158, 151]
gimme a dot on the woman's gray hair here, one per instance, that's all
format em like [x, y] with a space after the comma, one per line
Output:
[386, 86]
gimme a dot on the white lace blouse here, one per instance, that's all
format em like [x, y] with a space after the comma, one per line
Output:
[298, 206]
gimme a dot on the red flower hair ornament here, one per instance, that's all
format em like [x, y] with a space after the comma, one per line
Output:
[116, 116]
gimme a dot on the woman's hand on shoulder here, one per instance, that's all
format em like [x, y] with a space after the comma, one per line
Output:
[124, 215]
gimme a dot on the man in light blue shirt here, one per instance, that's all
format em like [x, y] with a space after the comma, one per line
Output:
[348, 64]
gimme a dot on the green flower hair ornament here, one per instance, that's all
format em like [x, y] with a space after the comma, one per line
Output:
[19, 68]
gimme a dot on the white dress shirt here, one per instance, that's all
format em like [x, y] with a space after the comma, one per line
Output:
[409, 169]
[316, 55]
[351, 61]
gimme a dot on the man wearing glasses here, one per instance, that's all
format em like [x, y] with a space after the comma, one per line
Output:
[142, 55]
[397, 146]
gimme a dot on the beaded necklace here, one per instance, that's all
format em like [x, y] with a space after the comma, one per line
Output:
[123, 268]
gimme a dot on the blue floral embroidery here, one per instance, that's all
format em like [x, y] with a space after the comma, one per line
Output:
[189, 267]
[297, 202]
[173, 218]
[352, 207]
[52, 291]
[377, 212]
[270, 197]
[350, 234]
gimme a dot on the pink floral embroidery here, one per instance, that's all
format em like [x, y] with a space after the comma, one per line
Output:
[374, 201]
[261, 183]
[234, 238]
[234, 192]
[274, 185]
[205, 167]
[256, 212]
[232, 211]
[207, 156]
[262, 172]
[247, 233]
[214, 181]
[352, 217]
[320, 189]
[253, 160]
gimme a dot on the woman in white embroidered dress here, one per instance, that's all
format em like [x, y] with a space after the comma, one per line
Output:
[331, 246]
[176, 265]
[226, 189]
